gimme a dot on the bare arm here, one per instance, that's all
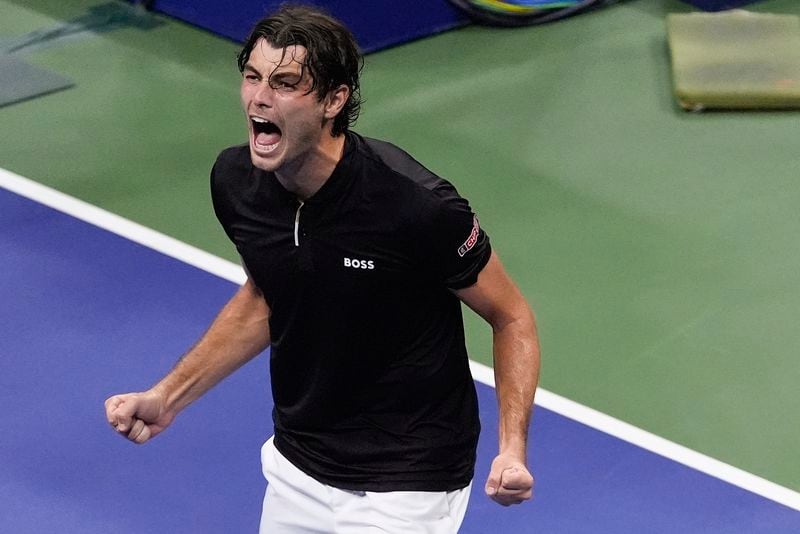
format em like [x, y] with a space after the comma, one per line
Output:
[497, 299]
[239, 332]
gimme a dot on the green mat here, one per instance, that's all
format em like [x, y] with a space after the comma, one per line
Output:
[735, 60]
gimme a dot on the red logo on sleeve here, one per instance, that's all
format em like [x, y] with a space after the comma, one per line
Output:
[472, 239]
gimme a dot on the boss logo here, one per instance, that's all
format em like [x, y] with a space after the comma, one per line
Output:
[359, 264]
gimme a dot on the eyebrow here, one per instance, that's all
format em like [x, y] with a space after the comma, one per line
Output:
[252, 69]
[281, 71]
[283, 74]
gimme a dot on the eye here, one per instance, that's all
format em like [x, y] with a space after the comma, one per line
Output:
[252, 78]
[283, 85]
[285, 82]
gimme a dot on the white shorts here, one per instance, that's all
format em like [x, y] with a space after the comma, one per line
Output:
[295, 503]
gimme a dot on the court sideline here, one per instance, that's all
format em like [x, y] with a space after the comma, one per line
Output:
[672, 247]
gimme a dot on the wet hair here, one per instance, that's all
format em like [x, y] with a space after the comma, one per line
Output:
[332, 54]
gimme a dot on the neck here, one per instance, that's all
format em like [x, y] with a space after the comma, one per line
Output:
[307, 175]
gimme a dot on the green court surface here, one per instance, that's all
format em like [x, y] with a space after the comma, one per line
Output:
[659, 248]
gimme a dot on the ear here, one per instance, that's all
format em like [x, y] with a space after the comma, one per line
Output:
[336, 100]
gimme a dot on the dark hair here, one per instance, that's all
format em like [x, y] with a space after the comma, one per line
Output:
[332, 56]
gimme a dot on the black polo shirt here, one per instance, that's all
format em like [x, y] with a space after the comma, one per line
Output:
[369, 369]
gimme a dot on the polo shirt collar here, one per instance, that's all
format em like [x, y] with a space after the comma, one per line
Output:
[339, 178]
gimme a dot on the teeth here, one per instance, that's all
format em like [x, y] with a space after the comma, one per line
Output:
[259, 120]
[268, 148]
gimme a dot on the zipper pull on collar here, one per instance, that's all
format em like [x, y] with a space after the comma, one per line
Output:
[297, 224]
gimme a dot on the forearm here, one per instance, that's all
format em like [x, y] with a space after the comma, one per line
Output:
[238, 333]
[499, 301]
[516, 369]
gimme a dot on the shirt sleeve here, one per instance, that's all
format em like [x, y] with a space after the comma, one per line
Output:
[458, 244]
[222, 198]
[218, 199]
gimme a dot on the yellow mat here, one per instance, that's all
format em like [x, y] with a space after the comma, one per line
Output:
[735, 60]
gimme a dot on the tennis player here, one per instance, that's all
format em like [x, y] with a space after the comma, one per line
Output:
[358, 259]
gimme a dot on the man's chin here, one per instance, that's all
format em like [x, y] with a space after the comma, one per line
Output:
[265, 163]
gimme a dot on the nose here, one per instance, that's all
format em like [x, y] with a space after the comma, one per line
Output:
[263, 95]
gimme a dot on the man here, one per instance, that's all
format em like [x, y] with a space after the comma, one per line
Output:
[357, 259]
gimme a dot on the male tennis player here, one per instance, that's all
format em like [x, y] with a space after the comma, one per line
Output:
[358, 259]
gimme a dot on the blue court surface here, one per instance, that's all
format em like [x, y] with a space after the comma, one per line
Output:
[86, 314]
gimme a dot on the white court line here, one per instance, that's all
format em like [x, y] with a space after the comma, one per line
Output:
[121, 226]
[482, 373]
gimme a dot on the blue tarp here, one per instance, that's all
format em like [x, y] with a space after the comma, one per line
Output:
[376, 23]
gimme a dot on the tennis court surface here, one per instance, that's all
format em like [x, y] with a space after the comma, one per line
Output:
[658, 248]
[88, 313]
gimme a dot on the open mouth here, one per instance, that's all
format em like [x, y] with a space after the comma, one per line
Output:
[266, 134]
